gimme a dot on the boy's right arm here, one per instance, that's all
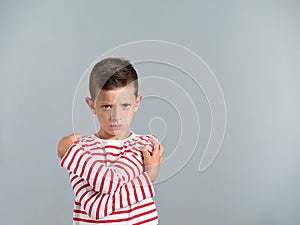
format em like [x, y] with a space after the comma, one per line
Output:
[98, 205]
[101, 178]
[65, 143]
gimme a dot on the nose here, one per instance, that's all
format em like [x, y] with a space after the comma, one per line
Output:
[115, 113]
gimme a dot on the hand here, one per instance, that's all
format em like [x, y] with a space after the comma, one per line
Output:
[65, 143]
[152, 163]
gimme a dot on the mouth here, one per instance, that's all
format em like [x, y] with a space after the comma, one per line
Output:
[116, 126]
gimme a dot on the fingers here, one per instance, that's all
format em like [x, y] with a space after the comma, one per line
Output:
[145, 153]
[78, 135]
[158, 150]
[65, 143]
[161, 149]
[157, 145]
[74, 136]
[161, 153]
[156, 157]
[154, 142]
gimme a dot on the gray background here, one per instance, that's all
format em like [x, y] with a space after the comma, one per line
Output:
[252, 47]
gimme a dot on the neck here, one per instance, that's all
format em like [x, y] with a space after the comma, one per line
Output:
[107, 136]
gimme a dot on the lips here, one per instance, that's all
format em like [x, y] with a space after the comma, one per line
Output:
[116, 126]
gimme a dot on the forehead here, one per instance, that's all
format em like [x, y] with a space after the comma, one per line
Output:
[117, 94]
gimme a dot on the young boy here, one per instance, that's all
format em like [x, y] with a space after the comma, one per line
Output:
[111, 171]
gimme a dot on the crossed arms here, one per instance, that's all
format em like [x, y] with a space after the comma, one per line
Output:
[102, 190]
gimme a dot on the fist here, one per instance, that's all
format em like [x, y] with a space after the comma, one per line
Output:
[65, 143]
[152, 162]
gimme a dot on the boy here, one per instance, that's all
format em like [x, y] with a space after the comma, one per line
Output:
[107, 168]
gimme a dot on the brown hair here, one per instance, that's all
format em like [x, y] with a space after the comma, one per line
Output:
[112, 73]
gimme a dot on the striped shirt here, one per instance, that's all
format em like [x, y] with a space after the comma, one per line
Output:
[109, 181]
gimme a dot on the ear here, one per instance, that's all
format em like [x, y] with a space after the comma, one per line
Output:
[91, 105]
[138, 102]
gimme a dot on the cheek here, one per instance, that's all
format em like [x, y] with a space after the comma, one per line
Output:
[102, 116]
[130, 115]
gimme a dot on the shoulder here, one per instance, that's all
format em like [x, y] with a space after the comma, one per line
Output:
[146, 137]
[86, 141]
[144, 140]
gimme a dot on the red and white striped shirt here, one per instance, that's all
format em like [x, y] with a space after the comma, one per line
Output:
[109, 181]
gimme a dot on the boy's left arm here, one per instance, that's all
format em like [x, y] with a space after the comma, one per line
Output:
[98, 205]
[110, 180]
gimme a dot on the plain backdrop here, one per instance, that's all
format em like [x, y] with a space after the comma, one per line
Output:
[254, 50]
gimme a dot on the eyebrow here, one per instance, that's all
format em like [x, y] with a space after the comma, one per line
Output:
[121, 103]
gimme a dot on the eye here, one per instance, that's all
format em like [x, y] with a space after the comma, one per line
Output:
[106, 107]
[126, 106]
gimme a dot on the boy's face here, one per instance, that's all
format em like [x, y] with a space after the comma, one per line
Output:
[114, 109]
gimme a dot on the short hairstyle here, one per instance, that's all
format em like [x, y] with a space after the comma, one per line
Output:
[112, 73]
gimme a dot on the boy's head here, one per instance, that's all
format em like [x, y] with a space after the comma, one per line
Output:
[111, 73]
[114, 96]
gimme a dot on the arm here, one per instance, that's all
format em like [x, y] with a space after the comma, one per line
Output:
[98, 205]
[94, 171]
[108, 184]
